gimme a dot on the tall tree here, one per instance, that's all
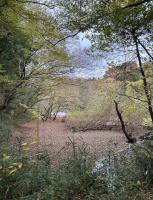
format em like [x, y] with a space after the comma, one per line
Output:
[115, 22]
[27, 51]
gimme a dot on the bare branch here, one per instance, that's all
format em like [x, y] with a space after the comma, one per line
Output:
[38, 3]
[146, 50]
[128, 136]
[131, 97]
[137, 3]
[66, 37]
[60, 40]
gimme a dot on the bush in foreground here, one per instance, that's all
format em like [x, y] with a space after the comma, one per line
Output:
[24, 176]
[32, 177]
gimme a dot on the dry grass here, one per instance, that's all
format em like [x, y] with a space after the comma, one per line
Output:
[56, 138]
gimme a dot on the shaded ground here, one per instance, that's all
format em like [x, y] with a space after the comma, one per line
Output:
[57, 139]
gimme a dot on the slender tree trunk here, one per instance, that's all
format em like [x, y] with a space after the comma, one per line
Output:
[129, 138]
[145, 83]
[146, 50]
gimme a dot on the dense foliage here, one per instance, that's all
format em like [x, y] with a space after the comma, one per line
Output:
[34, 62]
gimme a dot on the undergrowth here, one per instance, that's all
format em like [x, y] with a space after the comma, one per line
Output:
[32, 176]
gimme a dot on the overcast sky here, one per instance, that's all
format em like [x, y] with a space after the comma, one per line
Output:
[89, 66]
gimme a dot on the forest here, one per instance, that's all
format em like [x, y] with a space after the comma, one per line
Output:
[66, 133]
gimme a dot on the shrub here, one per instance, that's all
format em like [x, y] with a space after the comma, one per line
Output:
[144, 161]
[130, 174]
[22, 175]
[124, 179]
[75, 180]
[27, 177]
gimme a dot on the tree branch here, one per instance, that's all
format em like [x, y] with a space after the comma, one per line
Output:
[131, 97]
[66, 37]
[38, 3]
[137, 3]
[146, 50]
[128, 136]
[60, 40]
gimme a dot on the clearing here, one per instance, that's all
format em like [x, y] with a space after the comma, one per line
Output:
[57, 139]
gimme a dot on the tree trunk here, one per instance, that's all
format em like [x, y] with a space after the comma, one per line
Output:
[129, 138]
[145, 83]
[146, 50]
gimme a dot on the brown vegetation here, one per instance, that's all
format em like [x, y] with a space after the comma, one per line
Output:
[56, 137]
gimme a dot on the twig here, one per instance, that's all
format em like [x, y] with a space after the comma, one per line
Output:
[39, 3]
[66, 37]
[128, 96]
[146, 50]
[137, 3]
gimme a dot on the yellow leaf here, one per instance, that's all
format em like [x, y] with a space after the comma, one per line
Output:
[15, 164]
[13, 171]
[24, 144]
[26, 149]
[5, 157]
[10, 167]
[138, 182]
[20, 165]
[34, 142]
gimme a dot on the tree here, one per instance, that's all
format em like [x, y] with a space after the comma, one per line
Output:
[128, 136]
[137, 3]
[110, 23]
[27, 53]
